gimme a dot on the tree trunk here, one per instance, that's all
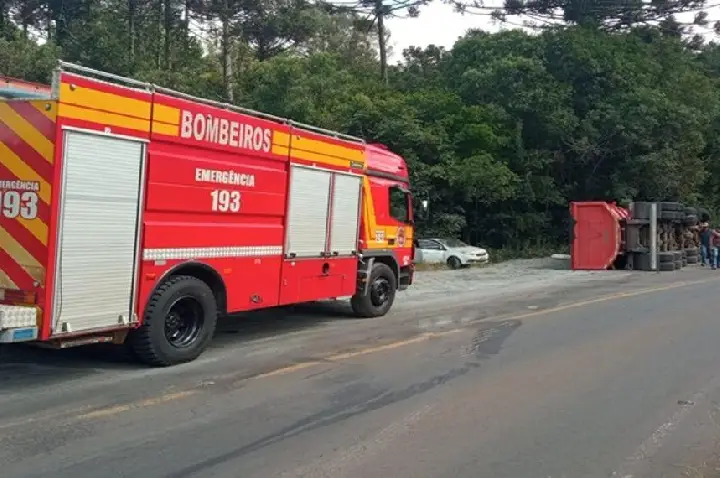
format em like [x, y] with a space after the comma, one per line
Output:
[167, 10]
[58, 16]
[380, 12]
[186, 24]
[159, 25]
[227, 53]
[50, 36]
[132, 11]
[4, 13]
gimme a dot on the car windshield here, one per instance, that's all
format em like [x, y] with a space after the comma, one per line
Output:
[454, 243]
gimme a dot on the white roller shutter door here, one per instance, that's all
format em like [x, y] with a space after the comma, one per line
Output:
[98, 231]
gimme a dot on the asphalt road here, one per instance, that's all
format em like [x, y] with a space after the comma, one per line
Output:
[615, 375]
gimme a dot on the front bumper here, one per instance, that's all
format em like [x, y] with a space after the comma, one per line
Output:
[482, 259]
[18, 323]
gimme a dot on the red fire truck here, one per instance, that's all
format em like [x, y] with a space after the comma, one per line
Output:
[136, 214]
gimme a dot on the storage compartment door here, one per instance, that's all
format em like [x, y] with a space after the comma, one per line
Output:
[307, 212]
[98, 241]
[345, 219]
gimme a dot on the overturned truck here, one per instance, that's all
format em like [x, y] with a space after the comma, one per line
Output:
[648, 236]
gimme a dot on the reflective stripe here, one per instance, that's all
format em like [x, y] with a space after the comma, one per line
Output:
[210, 252]
[14, 316]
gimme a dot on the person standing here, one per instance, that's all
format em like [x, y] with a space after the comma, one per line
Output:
[715, 248]
[706, 243]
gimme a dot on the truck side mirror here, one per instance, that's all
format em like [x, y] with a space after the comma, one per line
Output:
[424, 208]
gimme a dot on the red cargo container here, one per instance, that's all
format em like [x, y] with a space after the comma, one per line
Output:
[596, 234]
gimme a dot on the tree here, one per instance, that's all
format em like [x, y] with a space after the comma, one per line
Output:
[377, 11]
[500, 131]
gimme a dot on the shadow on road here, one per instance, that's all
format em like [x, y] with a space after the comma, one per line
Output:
[18, 363]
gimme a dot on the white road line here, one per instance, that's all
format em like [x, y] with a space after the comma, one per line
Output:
[632, 466]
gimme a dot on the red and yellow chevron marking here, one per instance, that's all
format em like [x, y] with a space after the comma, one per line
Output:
[27, 146]
[326, 152]
[89, 101]
[166, 120]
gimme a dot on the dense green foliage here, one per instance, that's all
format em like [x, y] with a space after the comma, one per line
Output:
[500, 132]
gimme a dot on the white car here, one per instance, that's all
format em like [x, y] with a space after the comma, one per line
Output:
[452, 252]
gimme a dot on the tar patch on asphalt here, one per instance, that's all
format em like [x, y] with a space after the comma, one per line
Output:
[489, 339]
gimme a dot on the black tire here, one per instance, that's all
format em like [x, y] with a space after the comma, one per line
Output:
[678, 264]
[667, 215]
[672, 215]
[692, 251]
[693, 260]
[178, 324]
[703, 214]
[690, 211]
[666, 257]
[381, 293]
[671, 206]
[641, 210]
[641, 261]
[691, 220]
[678, 255]
[684, 262]
[666, 266]
[454, 263]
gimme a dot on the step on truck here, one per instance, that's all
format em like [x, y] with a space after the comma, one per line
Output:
[131, 213]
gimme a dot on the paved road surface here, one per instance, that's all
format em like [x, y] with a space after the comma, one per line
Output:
[613, 375]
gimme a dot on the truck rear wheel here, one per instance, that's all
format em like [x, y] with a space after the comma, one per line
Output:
[380, 293]
[178, 325]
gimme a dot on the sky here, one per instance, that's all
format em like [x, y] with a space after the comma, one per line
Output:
[438, 24]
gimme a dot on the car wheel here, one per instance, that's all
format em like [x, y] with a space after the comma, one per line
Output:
[454, 263]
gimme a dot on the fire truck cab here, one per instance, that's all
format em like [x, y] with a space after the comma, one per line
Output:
[135, 214]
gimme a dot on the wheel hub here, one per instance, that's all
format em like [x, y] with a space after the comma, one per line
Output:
[184, 322]
[380, 291]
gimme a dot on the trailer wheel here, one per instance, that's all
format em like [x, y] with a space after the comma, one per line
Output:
[671, 215]
[380, 296]
[691, 219]
[671, 206]
[641, 261]
[179, 323]
[641, 210]
[668, 256]
[703, 214]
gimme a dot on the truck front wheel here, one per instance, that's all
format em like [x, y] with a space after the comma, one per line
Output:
[380, 293]
[178, 325]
